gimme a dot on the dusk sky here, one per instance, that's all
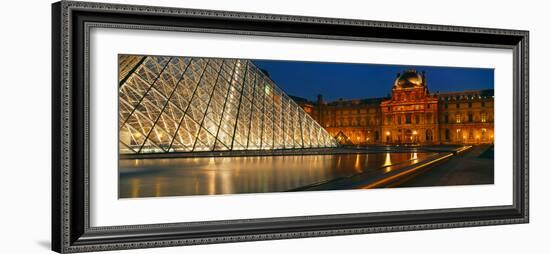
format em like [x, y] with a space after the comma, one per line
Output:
[358, 81]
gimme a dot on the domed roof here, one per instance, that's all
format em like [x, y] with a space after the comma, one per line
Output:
[409, 79]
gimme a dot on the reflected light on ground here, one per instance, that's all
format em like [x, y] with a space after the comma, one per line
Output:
[387, 161]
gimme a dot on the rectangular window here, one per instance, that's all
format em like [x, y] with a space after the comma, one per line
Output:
[417, 119]
[388, 120]
[398, 119]
[483, 117]
[457, 118]
[470, 117]
[458, 105]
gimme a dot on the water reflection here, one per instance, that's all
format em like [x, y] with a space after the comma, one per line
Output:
[387, 160]
[227, 175]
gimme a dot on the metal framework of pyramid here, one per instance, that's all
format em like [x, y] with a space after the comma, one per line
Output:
[184, 104]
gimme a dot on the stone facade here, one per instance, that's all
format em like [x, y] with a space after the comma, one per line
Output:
[412, 115]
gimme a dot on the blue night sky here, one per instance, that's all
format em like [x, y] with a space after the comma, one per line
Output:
[358, 81]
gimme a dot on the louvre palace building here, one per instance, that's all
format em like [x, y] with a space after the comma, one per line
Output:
[411, 115]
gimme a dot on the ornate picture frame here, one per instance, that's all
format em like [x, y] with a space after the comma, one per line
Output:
[71, 229]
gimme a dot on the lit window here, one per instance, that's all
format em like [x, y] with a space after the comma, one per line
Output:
[483, 117]
[457, 118]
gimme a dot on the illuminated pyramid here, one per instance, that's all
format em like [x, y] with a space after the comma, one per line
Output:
[183, 104]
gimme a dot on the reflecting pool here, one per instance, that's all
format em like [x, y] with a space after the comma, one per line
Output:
[255, 174]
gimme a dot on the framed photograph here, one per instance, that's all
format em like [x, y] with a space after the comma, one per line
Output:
[181, 126]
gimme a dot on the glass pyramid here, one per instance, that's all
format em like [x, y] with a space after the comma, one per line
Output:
[183, 104]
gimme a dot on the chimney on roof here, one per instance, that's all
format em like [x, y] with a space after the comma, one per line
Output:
[424, 78]
[320, 99]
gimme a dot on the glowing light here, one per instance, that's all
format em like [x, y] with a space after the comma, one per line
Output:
[414, 132]
[387, 133]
